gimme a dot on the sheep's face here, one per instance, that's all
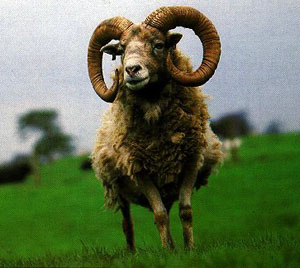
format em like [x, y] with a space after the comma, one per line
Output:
[143, 52]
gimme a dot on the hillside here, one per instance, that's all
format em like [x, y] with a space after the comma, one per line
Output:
[248, 215]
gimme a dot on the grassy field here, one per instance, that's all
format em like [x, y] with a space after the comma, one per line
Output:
[248, 216]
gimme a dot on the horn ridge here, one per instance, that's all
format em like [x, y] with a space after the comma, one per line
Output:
[105, 32]
[167, 18]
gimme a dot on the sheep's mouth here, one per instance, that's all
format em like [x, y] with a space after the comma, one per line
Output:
[136, 84]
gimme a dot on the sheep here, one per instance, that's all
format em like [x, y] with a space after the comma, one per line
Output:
[155, 144]
[230, 148]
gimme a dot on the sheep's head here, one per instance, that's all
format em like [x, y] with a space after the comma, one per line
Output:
[146, 49]
[143, 51]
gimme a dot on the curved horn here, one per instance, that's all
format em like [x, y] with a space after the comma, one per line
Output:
[167, 18]
[104, 33]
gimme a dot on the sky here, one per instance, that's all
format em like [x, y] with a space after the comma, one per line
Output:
[43, 62]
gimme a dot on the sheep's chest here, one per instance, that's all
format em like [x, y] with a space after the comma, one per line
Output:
[161, 149]
[159, 152]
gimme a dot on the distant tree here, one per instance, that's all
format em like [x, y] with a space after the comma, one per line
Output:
[38, 120]
[52, 142]
[274, 127]
[232, 125]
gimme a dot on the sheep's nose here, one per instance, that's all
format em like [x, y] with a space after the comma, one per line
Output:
[133, 69]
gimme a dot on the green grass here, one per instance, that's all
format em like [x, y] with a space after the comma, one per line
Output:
[248, 216]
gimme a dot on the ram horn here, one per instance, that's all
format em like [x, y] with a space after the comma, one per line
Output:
[167, 18]
[105, 32]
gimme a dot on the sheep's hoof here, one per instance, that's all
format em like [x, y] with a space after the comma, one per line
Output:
[189, 248]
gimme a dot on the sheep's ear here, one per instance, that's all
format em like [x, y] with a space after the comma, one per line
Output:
[112, 49]
[173, 39]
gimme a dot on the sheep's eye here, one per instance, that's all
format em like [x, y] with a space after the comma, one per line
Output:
[159, 46]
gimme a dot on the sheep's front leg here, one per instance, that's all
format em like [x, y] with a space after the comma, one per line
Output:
[127, 225]
[185, 208]
[161, 216]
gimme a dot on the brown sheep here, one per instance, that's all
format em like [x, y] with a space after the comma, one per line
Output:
[155, 144]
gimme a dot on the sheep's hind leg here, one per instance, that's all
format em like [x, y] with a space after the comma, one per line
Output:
[161, 216]
[170, 238]
[127, 225]
[185, 208]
